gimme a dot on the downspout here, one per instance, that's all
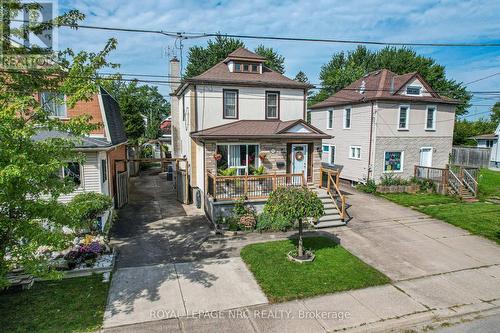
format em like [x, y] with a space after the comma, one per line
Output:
[370, 146]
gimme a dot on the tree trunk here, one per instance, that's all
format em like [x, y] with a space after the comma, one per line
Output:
[301, 247]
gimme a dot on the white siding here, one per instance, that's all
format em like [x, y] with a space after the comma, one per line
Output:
[251, 104]
[91, 179]
[357, 135]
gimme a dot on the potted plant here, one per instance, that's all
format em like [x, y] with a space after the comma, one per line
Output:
[217, 157]
[295, 204]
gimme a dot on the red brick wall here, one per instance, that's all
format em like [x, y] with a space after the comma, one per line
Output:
[91, 108]
[118, 153]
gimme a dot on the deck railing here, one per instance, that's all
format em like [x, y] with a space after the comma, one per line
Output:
[438, 175]
[250, 186]
[453, 178]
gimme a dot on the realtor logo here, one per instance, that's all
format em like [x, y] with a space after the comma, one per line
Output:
[26, 23]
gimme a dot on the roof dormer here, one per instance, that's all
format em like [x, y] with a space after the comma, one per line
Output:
[243, 61]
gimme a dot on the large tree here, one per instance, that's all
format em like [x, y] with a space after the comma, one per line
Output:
[344, 68]
[139, 102]
[495, 113]
[274, 60]
[202, 58]
[30, 215]
[465, 129]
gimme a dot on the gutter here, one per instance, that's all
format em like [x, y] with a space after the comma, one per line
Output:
[370, 145]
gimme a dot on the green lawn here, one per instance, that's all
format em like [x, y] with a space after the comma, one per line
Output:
[489, 183]
[408, 200]
[333, 270]
[69, 305]
[479, 218]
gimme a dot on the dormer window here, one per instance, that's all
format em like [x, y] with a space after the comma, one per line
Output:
[246, 67]
[413, 90]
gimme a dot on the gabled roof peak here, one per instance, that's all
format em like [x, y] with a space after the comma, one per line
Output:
[242, 53]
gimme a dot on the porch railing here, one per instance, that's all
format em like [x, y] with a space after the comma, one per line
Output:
[252, 187]
[453, 178]
[330, 181]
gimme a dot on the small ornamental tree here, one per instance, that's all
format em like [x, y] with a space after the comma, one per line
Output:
[294, 204]
[86, 207]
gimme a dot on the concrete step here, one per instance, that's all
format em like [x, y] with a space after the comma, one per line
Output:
[329, 224]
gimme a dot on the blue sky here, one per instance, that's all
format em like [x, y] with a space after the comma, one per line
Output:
[377, 20]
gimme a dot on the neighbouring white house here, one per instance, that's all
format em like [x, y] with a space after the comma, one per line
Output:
[490, 141]
[383, 124]
[241, 115]
[104, 149]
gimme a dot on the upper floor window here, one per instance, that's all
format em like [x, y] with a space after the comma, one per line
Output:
[413, 90]
[347, 118]
[430, 119]
[489, 143]
[54, 103]
[230, 104]
[272, 104]
[355, 152]
[403, 117]
[329, 120]
[246, 67]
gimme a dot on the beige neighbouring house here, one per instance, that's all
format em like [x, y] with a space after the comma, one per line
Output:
[239, 114]
[385, 123]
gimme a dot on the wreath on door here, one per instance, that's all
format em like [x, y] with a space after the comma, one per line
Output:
[299, 156]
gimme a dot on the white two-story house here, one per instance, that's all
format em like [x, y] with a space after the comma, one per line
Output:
[385, 123]
[241, 115]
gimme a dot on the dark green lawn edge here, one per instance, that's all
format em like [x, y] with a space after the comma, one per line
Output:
[290, 281]
[68, 305]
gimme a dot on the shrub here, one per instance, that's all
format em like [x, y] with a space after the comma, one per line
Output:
[227, 172]
[390, 179]
[147, 152]
[87, 207]
[278, 223]
[257, 171]
[369, 187]
[424, 184]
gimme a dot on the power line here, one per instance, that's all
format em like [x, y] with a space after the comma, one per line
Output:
[483, 78]
[191, 35]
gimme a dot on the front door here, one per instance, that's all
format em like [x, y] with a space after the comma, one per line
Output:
[426, 156]
[299, 158]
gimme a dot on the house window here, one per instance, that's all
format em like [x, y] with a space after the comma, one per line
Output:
[403, 117]
[355, 152]
[331, 160]
[73, 171]
[329, 124]
[183, 108]
[347, 118]
[230, 104]
[237, 67]
[255, 68]
[393, 161]
[54, 103]
[430, 120]
[104, 170]
[242, 157]
[413, 90]
[245, 68]
[272, 104]
[489, 143]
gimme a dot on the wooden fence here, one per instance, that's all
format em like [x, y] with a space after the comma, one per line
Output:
[470, 156]
[252, 187]
[121, 189]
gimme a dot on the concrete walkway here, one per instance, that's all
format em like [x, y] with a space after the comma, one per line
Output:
[438, 273]
[163, 268]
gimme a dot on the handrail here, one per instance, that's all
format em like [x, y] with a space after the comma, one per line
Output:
[341, 209]
[468, 179]
[453, 180]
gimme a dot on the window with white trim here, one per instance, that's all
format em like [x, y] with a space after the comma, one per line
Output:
[393, 161]
[413, 90]
[347, 118]
[230, 102]
[403, 117]
[244, 158]
[430, 118]
[329, 120]
[73, 171]
[54, 103]
[272, 104]
[104, 170]
[355, 152]
[331, 160]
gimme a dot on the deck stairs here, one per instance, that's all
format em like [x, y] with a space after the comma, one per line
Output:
[332, 216]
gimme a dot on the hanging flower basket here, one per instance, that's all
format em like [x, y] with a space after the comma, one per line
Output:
[217, 157]
[262, 156]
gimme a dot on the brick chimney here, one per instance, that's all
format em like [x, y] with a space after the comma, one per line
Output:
[175, 74]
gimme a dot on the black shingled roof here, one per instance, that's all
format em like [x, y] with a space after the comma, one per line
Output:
[113, 118]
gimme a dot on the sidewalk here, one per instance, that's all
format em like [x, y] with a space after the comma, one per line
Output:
[401, 304]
